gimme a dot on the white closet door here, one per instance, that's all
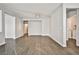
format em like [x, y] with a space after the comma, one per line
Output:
[77, 28]
[34, 27]
[9, 26]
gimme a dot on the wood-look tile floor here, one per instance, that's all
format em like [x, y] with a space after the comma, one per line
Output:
[37, 45]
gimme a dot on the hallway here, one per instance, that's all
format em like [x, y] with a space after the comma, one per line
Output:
[37, 45]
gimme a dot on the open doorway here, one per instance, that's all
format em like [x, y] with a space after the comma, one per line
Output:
[71, 14]
[25, 27]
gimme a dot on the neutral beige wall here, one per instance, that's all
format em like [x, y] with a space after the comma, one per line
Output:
[70, 23]
[25, 28]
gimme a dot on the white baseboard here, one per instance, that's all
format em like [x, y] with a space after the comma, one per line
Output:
[77, 44]
[64, 46]
[45, 34]
[11, 37]
[2, 43]
[18, 36]
[34, 34]
[40, 35]
[56, 41]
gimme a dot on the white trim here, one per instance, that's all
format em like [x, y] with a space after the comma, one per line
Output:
[64, 27]
[45, 34]
[64, 45]
[77, 44]
[14, 37]
[18, 36]
[33, 35]
[0, 20]
[2, 43]
[57, 41]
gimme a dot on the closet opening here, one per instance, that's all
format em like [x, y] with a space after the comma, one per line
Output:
[71, 14]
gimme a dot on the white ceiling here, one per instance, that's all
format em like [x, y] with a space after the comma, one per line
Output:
[31, 8]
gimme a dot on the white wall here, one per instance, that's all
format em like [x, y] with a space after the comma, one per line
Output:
[9, 26]
[34, 27]
[2, 33]
[19, 27]
[71, 5]
[56, 23]
[45, 26]
[13, 27]
[0, 20]
[71, 21]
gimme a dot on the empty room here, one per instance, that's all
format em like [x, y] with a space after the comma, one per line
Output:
[39, 28]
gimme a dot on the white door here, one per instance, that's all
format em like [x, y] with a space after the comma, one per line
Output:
[9, 26]
[77, 28]
[34, 27]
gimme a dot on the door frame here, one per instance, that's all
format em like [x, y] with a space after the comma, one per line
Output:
[65, 39]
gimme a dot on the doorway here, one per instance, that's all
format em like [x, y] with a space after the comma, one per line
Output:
[71, 14]
[25, 27]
